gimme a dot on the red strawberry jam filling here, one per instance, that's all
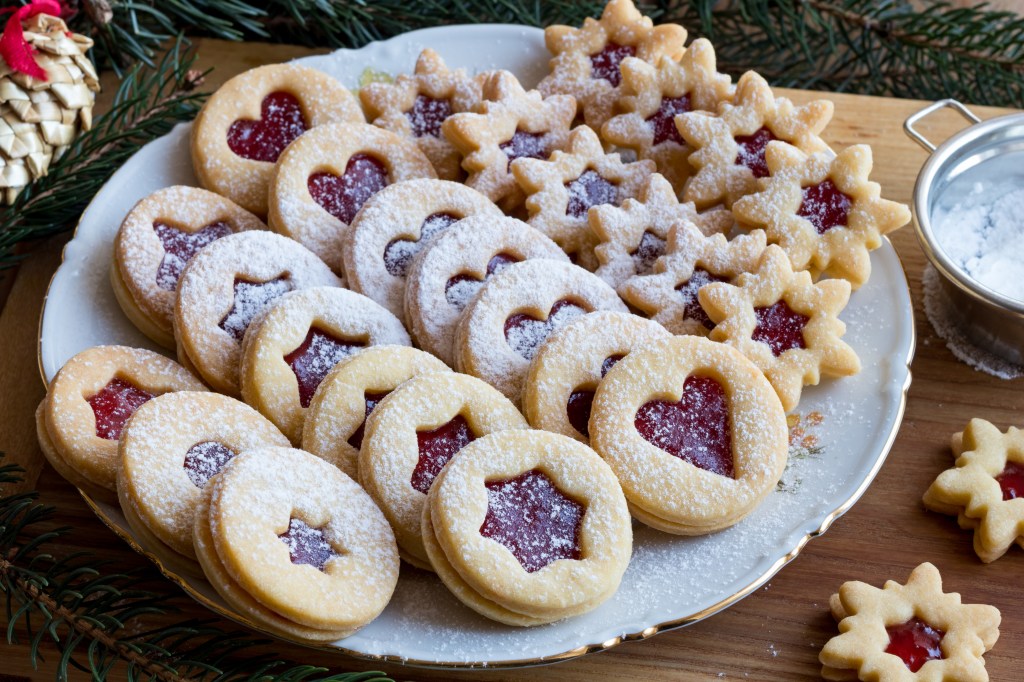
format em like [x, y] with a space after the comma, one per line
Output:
[663, 122]
[460, 289]
[781, 327]
[180, 246]
[1011, 481]
[525, 333]
[399, 253]
[427, 115]
[589, 189]
[371, 400]
[437, 447]
[343, 196]
[605, 64]
[533, 519]
[581, 401]
[751, 151]
[315, 357]
[695, 429]
[650, 249]
[692, 309]
[915, 642]
[524, 145]
[250, 299]
[307, 545]
[114, 404]
[825, 206]
[281, 121]
[204, 460]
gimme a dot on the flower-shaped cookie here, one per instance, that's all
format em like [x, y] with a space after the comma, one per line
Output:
[509, 124]
[908, 632]
[652, 97]
[416, 105]
[560, 191]
[822, 210]
[586, 60]
[985, 488]
[728, 149]
[632, 237]
[787, 325]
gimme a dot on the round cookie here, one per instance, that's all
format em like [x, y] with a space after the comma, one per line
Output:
[302, 539]
[413, 433]
[452, 268]
[324, 178]
[559, 389]
[528, 527]
[91, 398]
[504, 326]
[294, 343]
[394, 226]
[694, 432]
[225, 286]
[336, 417]
[246, 124]
[157, 238]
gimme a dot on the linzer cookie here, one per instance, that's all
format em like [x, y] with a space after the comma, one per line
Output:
[225, 286]
[414, 106]
[787, 325]
[336, 419]
[561, 190]
[395, 225]
[449, 272]
[509, 124]
[694, 432]
[559, 389]
[413, 433]
[515, 311]
[324, 178]
[248, 121]
[528, 527]
[586, 60]
[822, 210]
[157, 238]
[90, 400]
[728, 148]
[289, 349]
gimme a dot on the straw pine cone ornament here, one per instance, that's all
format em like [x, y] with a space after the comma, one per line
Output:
[47, 90]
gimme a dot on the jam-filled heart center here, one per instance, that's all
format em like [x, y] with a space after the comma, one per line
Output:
[581, 400]
[204, 460]
[692, 309]
[307, 545]
[371, 400]
[696, 428]
[525, 333]
[605, 64]
[398, 254]
[427, 115]
[114, 404]
[915, 642]
[589, 189]
[1011, 481]
[750, 151]
[663, 122]
[825, 206]
[780, 327]
[525, 145]
[437, 447]
[319, 352]
[281, 121]
[250, 299]
[342, 196]
[459, 289]
[180, 246]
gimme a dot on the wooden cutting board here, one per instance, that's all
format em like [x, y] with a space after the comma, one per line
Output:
[776, 633]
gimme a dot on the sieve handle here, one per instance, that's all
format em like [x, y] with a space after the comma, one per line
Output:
[908, 125]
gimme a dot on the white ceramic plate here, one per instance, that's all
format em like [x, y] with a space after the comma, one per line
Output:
[849, 425]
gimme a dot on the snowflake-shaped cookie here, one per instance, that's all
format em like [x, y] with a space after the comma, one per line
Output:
[586, 60]
[822, 210]
[560, 191]
[415, 106]
[634, 236]
[652, 96]
[986, 487]
[786, 324]
[728, 149]
[509, 124]
[908, 632]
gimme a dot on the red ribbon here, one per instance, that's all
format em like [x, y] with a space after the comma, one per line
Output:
[13, 47]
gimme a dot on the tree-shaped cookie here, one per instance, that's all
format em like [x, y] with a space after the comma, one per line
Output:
[691, 261]
[908, 632]
[728, 148]
[785, 323]
[560, 191]
[509, 124]
[416, 105]
[586, 59]
[822, 210]
[986, 487]
[653, 95]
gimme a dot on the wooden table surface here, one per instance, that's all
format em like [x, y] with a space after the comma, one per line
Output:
[776, 633]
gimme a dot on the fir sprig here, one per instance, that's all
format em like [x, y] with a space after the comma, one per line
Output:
[92, 619]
